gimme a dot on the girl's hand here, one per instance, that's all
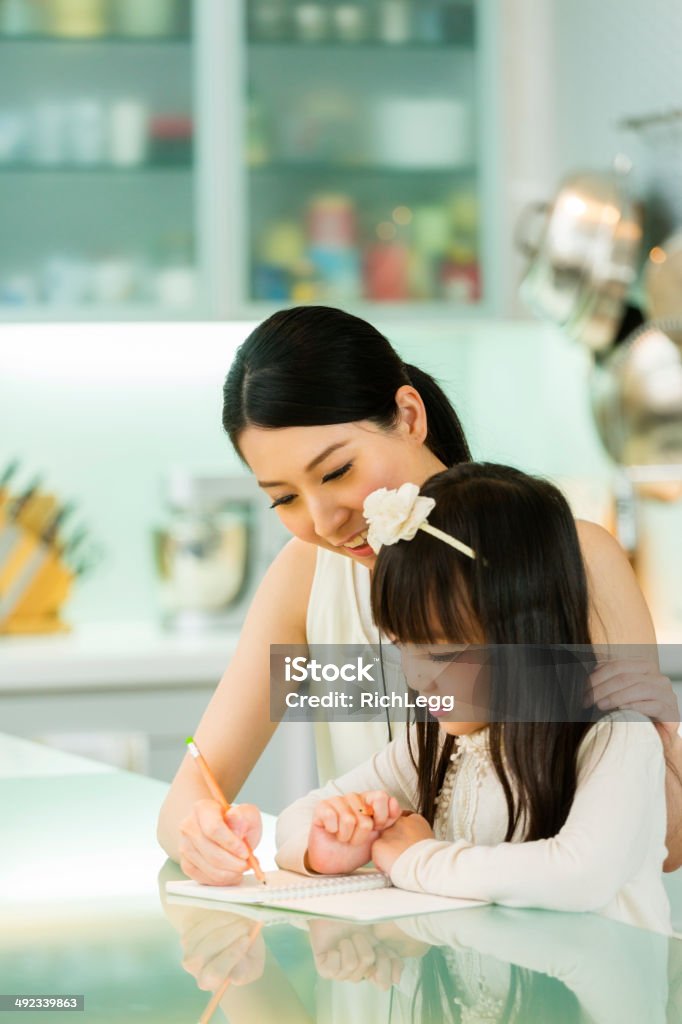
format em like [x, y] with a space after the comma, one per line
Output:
[353, 953]
[212, 850]
[636, 685]
[407, 831]
[341, 836]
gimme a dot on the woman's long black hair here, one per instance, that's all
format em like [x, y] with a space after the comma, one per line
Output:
[527, 589]
[315, 365]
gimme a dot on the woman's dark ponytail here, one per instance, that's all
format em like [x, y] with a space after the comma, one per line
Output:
[315, 365]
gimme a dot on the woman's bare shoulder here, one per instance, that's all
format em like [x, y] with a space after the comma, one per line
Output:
[289, 579]
[618, 611]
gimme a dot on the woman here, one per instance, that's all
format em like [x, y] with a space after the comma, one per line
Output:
[323, 411]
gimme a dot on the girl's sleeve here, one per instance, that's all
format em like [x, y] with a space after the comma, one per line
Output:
[617, 809]
[391, 770]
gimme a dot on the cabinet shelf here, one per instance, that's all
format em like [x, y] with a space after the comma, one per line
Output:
[115, 39]
[361, 170]
[69, 170]
[297, 45]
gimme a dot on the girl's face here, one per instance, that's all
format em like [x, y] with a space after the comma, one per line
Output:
[317, 478]
[454, 680]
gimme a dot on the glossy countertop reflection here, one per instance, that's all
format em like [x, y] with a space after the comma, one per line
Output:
[84, 911]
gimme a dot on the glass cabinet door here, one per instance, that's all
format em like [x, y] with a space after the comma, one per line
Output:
[362, 152]
[97, 182]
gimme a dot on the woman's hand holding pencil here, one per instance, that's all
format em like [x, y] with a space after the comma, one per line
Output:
[217, 839]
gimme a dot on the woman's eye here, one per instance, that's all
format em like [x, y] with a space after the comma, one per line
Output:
[336, 473]
[286, 500]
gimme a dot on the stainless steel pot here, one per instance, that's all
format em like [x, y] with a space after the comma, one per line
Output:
[636, 394]
[583, 256]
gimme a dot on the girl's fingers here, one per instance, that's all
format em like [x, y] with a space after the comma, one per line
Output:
[350, 818]
[326, 816]
[378, 801]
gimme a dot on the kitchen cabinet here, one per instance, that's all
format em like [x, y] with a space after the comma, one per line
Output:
[215, 160]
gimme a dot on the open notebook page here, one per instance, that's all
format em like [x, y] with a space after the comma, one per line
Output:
[362, 896]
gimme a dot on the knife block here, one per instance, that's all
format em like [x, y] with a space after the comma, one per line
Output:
[35, 608]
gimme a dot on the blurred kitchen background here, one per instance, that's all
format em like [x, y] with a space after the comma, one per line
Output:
[173, 170]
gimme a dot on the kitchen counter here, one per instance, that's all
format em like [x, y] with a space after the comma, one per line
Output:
[135, 679]
[121, 654]
[86, 914]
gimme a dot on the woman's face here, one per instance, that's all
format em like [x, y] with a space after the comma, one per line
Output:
[317, 478]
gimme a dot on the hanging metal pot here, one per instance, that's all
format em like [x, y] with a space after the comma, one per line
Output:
[583, 250]
[636, 394]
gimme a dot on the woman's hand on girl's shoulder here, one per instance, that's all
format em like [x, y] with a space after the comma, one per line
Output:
[408, 830]
[213, 847]
[637, 684]
[344, 827]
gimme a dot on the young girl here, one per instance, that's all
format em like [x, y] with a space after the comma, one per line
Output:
[558, 814]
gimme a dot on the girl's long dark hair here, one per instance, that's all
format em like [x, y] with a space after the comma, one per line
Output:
[315, 365]
[527, 587]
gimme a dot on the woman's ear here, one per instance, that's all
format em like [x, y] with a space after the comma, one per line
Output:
[412, 421]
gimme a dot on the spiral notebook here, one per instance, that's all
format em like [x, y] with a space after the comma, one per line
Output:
[363, 896]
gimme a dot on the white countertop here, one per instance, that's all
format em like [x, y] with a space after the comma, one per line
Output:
[114, 655]
[125, 654]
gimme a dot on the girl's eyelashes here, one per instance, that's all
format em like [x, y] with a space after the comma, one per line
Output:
[336, 473]
[446, 656]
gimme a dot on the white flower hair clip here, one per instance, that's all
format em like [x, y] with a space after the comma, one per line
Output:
[398, 514]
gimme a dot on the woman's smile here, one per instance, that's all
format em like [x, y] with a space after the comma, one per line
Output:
[317, 478]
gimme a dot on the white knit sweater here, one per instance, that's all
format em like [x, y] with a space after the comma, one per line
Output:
[607, 857]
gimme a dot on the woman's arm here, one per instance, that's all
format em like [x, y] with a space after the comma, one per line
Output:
[236, 726]
[619, 616]
[618, 611]
[617, 812]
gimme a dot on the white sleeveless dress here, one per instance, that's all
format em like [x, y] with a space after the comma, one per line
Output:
[339, 613]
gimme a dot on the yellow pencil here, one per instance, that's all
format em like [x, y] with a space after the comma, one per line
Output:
[219, 797]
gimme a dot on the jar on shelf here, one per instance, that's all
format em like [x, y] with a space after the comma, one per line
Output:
[269, 20]
[394, 21]
[175, 280]
[77, 19]
[311, 21]
[21, 17]
[350, 21]
[170, 139]
[148, 18]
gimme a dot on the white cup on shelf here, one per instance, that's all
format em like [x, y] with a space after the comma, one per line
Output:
[113, 280]
[128, 121]
[48, 139]
[86, 132]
